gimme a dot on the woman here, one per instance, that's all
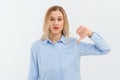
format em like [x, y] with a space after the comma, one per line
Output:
[56, 56]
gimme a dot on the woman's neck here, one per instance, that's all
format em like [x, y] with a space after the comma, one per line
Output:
[55, 37]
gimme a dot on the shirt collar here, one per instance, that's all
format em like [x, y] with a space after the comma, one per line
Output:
[63, 39]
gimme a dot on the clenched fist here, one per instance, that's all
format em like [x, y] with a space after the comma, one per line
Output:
[83, 31]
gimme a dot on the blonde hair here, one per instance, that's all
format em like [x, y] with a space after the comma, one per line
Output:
[46, 32]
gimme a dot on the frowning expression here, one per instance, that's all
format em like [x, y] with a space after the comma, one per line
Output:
[56, 22]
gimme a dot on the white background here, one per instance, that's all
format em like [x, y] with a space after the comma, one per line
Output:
[21, 24]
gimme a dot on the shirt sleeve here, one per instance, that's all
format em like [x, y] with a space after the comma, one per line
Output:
[33, 70]
[99, 47]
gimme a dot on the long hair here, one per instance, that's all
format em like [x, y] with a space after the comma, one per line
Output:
[46, 31]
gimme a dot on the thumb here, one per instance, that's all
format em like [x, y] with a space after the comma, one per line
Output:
[78, 40]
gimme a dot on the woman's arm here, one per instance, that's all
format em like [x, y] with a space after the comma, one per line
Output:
[33, 70]
[97, 48]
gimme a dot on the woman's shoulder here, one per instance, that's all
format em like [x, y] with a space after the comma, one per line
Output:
[74, 40]
[37, 43]
[71, 39]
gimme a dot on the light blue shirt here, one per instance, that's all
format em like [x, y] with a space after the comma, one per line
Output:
[61, 61]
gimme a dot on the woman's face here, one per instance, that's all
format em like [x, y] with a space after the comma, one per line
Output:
[56, 22]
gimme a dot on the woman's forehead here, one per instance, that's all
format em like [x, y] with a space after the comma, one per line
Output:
[56, 14]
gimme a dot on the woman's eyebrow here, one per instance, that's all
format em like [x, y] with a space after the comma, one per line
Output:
[51, 17]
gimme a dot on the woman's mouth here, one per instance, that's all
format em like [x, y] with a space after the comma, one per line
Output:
[55, 28]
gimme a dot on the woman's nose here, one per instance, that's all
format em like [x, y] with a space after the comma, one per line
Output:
[55, 22]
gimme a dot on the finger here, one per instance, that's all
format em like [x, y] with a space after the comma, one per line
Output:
[80, 32]
[82, 27]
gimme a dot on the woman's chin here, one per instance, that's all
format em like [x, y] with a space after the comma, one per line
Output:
[56, 32]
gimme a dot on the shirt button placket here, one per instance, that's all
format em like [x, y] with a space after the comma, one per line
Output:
[57, 47]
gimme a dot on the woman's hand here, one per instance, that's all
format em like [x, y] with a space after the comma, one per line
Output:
[83, 31]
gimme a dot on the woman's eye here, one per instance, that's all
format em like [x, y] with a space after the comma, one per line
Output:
[51, 19]
[59, 19]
